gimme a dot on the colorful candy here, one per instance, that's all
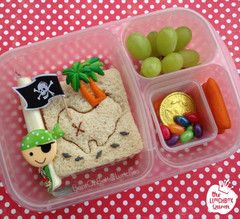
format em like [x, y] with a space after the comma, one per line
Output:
[175, 104]
[182, 120]
[173, 140]
[176, 129]
[198, 131]
[186, 136]
[192, 117]
[178, 117]
[165, 132]
[185, 130]
[189, 128]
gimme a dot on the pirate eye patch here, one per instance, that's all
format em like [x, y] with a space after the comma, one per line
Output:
[45, 148]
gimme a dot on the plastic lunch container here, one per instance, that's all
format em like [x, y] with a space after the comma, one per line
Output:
[154, 162]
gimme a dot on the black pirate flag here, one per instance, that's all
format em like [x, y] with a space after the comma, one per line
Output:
[38, 94]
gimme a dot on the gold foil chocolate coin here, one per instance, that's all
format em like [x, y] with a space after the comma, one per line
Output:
[175, 104]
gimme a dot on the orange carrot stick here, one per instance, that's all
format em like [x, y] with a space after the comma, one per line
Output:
[217, 105]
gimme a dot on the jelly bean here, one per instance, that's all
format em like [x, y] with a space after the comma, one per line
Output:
[165, 132]
[192, 117]
[176, 129]
[198, 130]
[190, 128]
[182, 120]
[186, 136]
[173, 140]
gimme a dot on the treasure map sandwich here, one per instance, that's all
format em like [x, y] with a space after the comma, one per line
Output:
[77, 124]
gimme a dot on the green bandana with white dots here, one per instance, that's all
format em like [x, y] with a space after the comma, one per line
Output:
[40, 137]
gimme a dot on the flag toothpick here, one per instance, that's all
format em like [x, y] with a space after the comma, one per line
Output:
[66, 107]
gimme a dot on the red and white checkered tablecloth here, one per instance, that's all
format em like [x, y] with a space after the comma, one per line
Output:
[27, 21]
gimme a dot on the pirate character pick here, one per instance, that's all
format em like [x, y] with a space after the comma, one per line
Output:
[39, 146]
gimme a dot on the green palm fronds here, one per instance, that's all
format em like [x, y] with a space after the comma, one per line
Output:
[83, 72]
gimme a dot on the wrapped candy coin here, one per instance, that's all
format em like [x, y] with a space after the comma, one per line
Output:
[175, 104]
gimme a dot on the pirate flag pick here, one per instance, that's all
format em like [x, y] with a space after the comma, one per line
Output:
[38, 94]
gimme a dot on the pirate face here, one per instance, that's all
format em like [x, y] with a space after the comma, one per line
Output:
[41, 155]
[39, 147]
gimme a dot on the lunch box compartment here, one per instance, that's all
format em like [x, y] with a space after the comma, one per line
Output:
[202, 40]
[194, 90]
[222, 144]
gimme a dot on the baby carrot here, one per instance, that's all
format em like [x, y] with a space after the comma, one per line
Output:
[217, 105]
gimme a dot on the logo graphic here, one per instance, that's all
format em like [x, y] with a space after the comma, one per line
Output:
[221, 198]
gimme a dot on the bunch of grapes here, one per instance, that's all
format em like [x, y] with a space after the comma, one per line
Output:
[164, 51]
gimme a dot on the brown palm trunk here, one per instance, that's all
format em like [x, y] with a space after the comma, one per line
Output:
[97, 91]
[93, 99]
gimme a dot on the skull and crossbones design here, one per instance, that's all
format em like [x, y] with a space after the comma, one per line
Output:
[44, 90]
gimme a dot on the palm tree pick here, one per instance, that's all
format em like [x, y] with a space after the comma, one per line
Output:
[86, 72]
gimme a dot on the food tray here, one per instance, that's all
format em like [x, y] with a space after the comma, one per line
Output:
[108, 42]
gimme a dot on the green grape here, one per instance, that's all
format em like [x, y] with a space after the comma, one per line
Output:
[190, 57]
[184, 36]
[151, 67]
[152, 36]
[138, 46]
[172, 62]
[166, 41]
